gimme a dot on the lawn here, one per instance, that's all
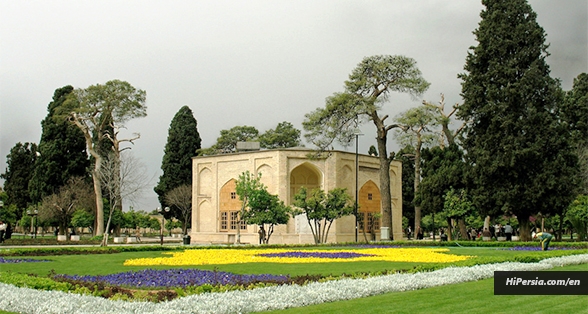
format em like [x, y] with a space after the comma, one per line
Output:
[468, 296]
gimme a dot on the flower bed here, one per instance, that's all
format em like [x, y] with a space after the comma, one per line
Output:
[20, 260]
[170, 278]
[24, 300]
[236, 256]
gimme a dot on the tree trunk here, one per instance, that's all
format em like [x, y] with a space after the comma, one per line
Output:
[449, 230]
[385, 183]
[462, 229]
[524, 229]
[417, 181]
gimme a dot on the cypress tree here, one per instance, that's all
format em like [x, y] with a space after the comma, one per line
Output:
[183, 142]
[62, 151]
[519, 151]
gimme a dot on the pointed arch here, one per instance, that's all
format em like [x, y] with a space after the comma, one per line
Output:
[305, 175]
[229, 207]
[370, 203]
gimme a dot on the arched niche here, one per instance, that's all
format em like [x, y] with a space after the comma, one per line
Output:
[205, 187]
[267, 177]
[370, 204]
[305, 175]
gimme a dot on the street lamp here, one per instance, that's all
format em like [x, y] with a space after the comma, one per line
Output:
[166, 209]
[33, 214]
[357, 133]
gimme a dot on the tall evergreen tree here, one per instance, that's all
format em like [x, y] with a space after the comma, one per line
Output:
[183, 142]
[519, 151]
[20, 164]
[62, 151]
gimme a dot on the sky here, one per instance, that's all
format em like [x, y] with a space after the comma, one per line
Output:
[255, 63]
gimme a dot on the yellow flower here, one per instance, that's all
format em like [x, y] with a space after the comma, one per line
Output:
[237, 256]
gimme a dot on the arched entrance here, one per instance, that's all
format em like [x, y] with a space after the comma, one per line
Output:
[370, 203]
[229, 207]
[305, 175]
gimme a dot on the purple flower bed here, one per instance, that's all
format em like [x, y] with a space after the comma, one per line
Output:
[316, 254]
[18, 260]
[150, 278]
[379, 246]
[538, 248]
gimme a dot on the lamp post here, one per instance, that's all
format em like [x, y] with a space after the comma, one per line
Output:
[33, 214]
[357, 133]
[159, 210]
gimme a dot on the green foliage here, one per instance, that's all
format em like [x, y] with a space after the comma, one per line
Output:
[183, 143]
[20, 166]
[578, 215]
[368, 87]
[372, 151]
[283, 136]
[227, 142]
[520, 152]
[322, 209]
[266, 209]
[406, 156]
[457, 204]
[82, 219]
[443, 169]
[62, 148]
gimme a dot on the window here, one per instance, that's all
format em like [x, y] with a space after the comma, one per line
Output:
[371, 223]
[370, 196]
[233, 195]
[229, 221]
[224, 221]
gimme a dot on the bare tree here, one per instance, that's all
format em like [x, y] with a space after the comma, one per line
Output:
[181, 197]
[76, 194]
[123, 177]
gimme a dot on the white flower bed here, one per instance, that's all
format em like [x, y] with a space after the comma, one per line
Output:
[24, 300]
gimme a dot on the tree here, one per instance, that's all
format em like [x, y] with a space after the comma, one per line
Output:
[368, 87]
[457, 206]
[227, 142]
[373, 151]
[122, 177]
[443, 170]
[406, 156]
[20, 165]
[522, 161]
[322, 209]
[577, 214]
[417, 132]
[283, 136]
[62, 151]
[575, 112]
[82, 218]
[245, 186]
[94, 110]
[266, 209]
[181, 197]
[75, 195]
[183, 143]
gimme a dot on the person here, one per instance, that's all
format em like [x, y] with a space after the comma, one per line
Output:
[261, 233]
[408, 232]
[473, 234]
[442, 235]
[508, 232]
[138, 234]
[2, 231]
[419, 233]
[544, 239]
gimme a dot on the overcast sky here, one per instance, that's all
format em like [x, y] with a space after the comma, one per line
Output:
[235, 62]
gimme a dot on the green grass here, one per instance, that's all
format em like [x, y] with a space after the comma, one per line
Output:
[101, 264]
[469, 297]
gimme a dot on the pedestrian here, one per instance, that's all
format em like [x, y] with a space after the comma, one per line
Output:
[419, 233]
[508, 232]
[138, 234]
[408, 232]
[486, 235]
[261, 233]
[545, 238]
[2, 231]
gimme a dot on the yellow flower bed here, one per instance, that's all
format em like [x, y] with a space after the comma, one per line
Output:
[233, 256]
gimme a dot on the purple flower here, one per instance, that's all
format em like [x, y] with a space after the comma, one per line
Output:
[150, 278]
[538, 248]
[18, 260]
[296, 254]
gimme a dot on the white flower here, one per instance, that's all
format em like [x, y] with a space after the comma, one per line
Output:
[25, 300]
